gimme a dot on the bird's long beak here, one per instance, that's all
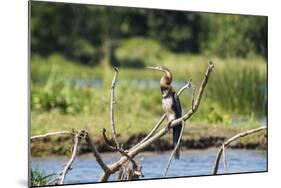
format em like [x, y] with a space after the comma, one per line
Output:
[154, 68]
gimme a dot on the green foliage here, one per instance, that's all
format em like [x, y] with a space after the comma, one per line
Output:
[66, 95]
[234, 35]
[82, 32]
[60, 96]
[239, 87]
[140, 52]
[38, 178]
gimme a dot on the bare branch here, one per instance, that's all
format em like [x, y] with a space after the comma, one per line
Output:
[50, 134]
[229, 141]
[77, 140]
[112, 102]
[224, 159]
[192, 100]
[186, 86]
[107, 141]
[171, 156]
[152, 131]
[96, 153]
[135, 150]
[120, 150]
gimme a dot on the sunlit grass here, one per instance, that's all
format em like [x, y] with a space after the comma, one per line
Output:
[236, 88]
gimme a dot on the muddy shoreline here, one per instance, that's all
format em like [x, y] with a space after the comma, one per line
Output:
[62, 145]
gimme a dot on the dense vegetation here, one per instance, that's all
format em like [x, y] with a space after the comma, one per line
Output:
[74, 46]
[84, 33]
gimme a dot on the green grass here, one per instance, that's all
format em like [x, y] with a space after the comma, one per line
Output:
[38, 178]
[236, 88]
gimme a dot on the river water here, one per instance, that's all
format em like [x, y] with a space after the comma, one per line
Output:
[192, 163]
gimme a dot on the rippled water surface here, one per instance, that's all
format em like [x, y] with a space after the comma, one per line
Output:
[192, 163]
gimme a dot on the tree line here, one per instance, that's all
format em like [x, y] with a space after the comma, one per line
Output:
[86, 32]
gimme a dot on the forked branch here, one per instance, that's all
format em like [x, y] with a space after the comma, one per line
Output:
[96, 153]
[135, 150]
[229, 141]
[77, 140]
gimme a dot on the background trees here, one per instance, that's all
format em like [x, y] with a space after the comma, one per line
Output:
[88, 33]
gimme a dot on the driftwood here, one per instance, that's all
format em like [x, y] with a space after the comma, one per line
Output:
[228, 142]
[122, 165]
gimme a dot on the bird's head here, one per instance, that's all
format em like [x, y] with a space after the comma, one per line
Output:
[167, 78]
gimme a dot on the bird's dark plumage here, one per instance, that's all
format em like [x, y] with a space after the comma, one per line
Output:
[177, 130]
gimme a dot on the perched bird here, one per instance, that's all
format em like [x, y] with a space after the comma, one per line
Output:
[170, 103]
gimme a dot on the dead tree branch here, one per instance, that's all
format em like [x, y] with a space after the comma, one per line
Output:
[50, 134]
[82, 134]
[135, 150]
[135, 166]
[172, 154]
[112, 102]
[229, 141]
[77, 140]
[224, 159]
[95, 152]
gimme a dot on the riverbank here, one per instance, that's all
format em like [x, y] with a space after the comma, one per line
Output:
[196, 136]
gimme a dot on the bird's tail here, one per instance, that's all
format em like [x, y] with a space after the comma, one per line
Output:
[176, 136]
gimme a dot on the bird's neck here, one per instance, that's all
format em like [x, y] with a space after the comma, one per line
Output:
[167, 90]
[165, 84]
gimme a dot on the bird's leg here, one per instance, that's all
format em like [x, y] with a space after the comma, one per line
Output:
[168, 127]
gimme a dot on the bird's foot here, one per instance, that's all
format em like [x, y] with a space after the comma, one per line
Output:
[168, 127]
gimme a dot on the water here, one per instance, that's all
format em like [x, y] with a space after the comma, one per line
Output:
[154, 84]
[192, 163]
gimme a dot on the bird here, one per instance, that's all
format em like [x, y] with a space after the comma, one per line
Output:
[170, 104]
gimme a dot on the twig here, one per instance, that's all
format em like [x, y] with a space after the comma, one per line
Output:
[50, 134]
[224, 159]
[192, 100]
[107, 141]
[152, 131]
[112, 106]
[56, 179]
[162, 118]
[120, 150]
[171, 156]
[186, 86]
[96, 153]
[229, 141]
[77, 140]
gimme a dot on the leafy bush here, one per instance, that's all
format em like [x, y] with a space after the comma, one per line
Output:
[140, 52]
